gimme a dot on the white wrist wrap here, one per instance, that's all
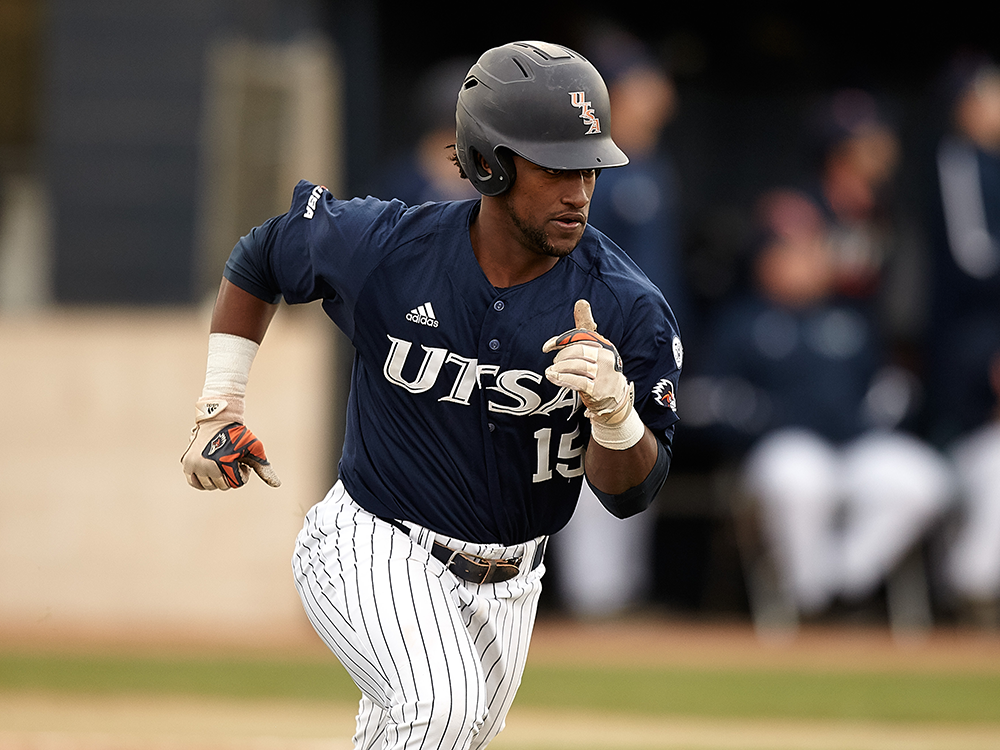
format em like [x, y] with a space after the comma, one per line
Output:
[226, 376]
[621, 435]
[229, 361]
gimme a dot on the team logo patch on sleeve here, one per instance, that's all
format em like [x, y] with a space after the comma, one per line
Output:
[678, 351]
[663, 392]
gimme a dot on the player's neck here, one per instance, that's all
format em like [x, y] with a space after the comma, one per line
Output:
[505, 261]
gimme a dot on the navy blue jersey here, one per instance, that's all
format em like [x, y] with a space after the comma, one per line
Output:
[451, 422]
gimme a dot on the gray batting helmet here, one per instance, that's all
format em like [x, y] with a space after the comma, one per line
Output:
[541, 101]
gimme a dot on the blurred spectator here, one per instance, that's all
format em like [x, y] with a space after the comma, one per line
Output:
[637, 207]
[964, 369]
[879, 252]
[425, 171]
[797, 390]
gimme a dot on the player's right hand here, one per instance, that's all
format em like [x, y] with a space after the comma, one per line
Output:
[222, 452]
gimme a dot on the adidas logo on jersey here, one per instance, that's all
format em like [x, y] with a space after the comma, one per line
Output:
[424, 315]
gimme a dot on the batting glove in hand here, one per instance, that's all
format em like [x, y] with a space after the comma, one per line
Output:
[222, 451]
[590, 365]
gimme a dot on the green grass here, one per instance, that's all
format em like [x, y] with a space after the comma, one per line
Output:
[765, 693]
[232, 678]
[759, 693]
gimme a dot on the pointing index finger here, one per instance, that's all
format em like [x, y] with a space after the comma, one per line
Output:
[583, 315]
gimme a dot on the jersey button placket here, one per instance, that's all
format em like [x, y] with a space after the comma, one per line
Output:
[490, 352]
[494, 343]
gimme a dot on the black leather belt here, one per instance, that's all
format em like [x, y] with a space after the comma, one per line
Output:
[473, 568]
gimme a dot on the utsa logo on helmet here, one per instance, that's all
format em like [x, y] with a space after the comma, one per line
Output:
[587, 113]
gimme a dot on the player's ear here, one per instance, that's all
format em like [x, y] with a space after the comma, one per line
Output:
[481, 165]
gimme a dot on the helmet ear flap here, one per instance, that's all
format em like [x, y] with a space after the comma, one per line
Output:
[492, 176]
[508, 172]
[479, 164]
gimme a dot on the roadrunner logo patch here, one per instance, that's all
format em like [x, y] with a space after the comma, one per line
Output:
[217, 442]
[663, 392]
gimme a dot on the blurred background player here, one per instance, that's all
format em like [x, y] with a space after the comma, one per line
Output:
[794, 392]
[424, 171]
[963, 370]
[881, 254]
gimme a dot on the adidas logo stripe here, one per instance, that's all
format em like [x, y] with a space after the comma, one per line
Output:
[424, 315]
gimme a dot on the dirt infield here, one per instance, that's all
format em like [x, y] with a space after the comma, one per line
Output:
[80, 722]
[37, 722]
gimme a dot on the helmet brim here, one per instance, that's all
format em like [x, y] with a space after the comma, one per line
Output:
[570, 157]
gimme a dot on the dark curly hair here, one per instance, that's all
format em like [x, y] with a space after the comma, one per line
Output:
[454, 160]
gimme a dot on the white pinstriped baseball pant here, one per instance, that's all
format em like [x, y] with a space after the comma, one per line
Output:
[438, 660]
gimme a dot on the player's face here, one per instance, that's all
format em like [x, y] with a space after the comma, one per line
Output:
[548, 208]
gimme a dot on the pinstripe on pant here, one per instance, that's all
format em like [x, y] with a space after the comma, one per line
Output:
[438, 660]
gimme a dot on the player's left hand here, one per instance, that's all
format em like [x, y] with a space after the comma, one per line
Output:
[590, 365]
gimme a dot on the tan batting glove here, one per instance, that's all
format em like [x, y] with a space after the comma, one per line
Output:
[590, 365]
[222, 450]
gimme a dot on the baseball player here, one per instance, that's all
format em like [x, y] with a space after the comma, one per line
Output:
[505, 350]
